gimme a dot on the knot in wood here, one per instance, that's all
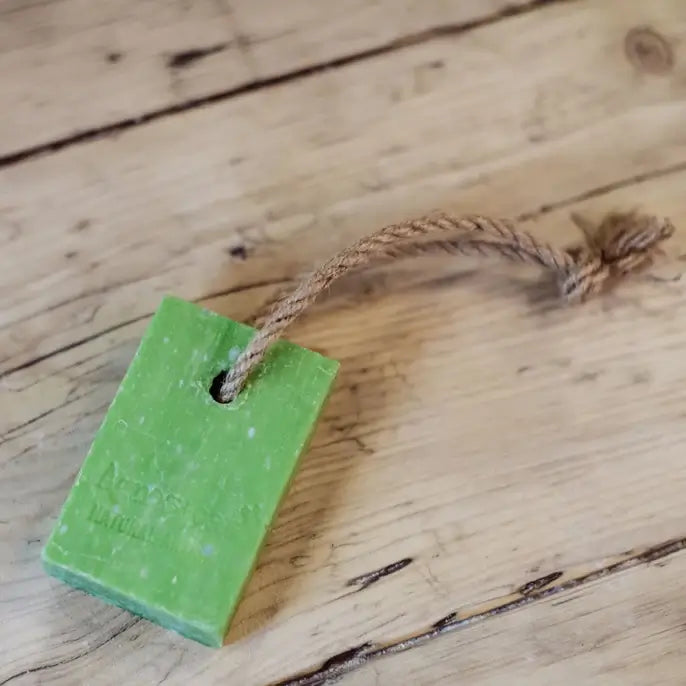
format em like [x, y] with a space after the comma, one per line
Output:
[648, 51]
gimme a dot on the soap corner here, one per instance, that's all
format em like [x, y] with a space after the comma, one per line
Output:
[215, 641]
[46, 557]
[331, 367]
[335, 366]
[170, 300]
[52, 555]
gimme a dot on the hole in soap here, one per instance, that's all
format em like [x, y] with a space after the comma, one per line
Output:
[216, 386]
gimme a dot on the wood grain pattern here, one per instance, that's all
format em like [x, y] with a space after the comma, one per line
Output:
[624, 630]
[470, 447]
[70, 71]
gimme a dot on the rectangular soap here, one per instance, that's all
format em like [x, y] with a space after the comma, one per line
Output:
[174, 499]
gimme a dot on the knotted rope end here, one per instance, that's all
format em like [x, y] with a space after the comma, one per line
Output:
[624, 243]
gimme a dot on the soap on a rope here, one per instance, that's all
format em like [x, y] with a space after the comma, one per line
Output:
[168, 513]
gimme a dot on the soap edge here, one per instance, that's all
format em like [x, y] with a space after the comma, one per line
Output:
[129, 370]
[86, 583]
[304, 450]
[72, 578]
[247, 327]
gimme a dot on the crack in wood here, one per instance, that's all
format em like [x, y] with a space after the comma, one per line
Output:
[233, 290]
[12, 432]
[537, 584]
[185, 58]
[67, 660]
[101, 290]
[444, 621]
[346, 655]
[602, 190]
[87, 339]
[453, 621]
[70, 346]
[365, 580]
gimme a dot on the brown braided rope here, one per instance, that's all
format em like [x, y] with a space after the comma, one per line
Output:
[623, 243]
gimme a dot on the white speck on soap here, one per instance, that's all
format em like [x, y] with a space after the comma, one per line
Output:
[151, 488]
[251, 432]
[234, 353]
[174, 580]
[116, 509]
[180, 383]
[144, 573]
[141, 420]
[205, 358]
[64, 528]
[267, 463]
[166, 339]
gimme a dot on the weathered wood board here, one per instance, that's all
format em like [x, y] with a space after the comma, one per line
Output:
[70, 71]
[626, 629]
[472, 446]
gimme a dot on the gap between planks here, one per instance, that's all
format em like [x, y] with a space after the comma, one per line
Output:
[396, 44]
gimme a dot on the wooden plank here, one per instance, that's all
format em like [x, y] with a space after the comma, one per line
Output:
[73, 66]
[371, 132]
[599, 389]
[619, 631]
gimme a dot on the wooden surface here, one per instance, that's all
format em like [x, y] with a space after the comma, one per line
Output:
[480, 437]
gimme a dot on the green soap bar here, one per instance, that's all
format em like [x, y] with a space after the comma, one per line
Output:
[170, 508]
